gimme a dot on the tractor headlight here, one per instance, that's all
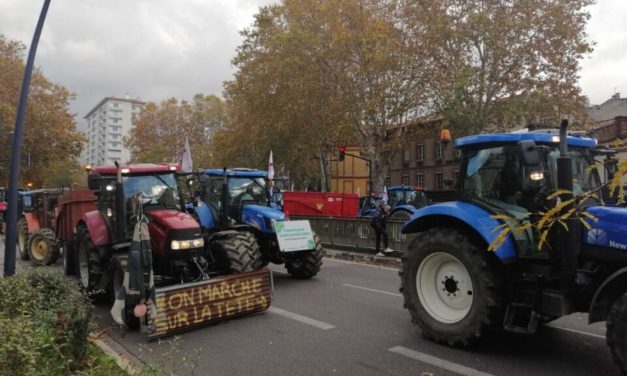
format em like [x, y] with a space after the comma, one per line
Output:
[187, 244]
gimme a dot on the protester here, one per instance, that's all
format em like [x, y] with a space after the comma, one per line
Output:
[378, 223]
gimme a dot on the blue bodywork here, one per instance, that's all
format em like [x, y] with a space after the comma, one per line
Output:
[260, 217]
[610, 229]
[369, 205]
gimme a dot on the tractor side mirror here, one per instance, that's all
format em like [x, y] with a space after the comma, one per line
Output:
[93, 181]
[529, 153]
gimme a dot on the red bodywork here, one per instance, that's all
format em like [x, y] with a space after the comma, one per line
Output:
[165, 221]
[69, 209]
[321, 204]
[136, 169]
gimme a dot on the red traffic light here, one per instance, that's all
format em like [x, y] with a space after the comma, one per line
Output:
[342, 153]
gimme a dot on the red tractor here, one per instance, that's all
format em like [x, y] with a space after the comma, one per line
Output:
[198, 278]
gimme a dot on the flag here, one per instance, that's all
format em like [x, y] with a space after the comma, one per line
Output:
[384, 195]
[186, 161]
[270, 167]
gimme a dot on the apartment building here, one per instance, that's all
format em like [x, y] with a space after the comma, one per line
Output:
[107, 123]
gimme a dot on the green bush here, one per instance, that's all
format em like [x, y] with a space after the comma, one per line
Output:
[45, 322]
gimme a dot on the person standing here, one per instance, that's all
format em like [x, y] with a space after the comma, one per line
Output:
[379, 225]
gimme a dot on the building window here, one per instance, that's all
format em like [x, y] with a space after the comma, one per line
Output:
[438, 150]
[456, 177]
[458, 153]
[387, 180]
[420, 152]
[405, 180]
[406, 158]
[439, 181]
[420, 180]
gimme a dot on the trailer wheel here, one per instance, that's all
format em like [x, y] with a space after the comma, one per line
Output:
[119, 267]
[240, 253]
[305, 264]
[616, 335]
[69, 262]
[43, 247]
[88, 261]
[22, 239]
[451, 287]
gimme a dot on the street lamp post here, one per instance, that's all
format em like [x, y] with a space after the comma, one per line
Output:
[14, 173]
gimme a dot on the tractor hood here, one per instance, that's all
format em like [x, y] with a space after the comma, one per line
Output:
[260, 211]
[610, 230]
[173, 219]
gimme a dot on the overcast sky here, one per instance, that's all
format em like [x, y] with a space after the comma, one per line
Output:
[156, 49]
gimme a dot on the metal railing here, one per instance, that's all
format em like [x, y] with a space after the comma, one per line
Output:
[357, 234]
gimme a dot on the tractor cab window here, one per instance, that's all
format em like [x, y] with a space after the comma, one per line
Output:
[417, 199]
[396, 197]
[585, 179]
[496, 176]
[248, 190]
[153, 189]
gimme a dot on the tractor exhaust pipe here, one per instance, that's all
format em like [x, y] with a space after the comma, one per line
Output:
[224, 201]
[567, 241]
[120, 208]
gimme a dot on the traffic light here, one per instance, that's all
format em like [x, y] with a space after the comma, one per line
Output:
[342, 153]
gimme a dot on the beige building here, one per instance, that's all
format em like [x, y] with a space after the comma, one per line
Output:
[107, 124]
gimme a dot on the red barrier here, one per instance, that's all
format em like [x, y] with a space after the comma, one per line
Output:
[321, 204]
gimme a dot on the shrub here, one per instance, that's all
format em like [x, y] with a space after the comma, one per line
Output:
[45, 321]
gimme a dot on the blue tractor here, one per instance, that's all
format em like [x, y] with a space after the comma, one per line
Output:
[403, 200]
[456, 289]
[241, 200]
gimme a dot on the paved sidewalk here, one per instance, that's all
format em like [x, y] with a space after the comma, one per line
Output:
[363, 257]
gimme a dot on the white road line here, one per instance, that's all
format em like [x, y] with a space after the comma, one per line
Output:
[576, 331]
[360, 264]
[437, 362]
[304, 319]
[372, 290]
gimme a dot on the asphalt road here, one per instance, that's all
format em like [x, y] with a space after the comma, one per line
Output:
[349, 320]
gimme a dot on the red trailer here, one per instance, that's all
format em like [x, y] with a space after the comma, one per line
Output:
[321, 204]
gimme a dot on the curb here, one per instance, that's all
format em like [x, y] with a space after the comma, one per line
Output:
[122, 357]
[364, 258]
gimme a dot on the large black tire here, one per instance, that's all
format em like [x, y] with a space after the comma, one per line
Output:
[451, 287]
[22, 239]
[43, 247]
[306, 264]
[69, 258]
[119, 267]
[616, 335]
[88, 263]
[241, 251]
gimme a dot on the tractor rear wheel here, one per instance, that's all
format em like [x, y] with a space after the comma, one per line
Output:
[43, 247]
[22, 239]
[88, 268]
[240, 252]
[305, 264]
[616, 335]
[451, 287]
[119, 267]
[69, 260]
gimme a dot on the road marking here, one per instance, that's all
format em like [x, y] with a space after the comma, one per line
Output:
[437, 362]
[372, 290]
[576, 331]
[361, 264]
[300, 318]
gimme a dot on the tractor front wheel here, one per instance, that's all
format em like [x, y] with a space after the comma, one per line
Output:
[43, 247]
[88, 261]
[616, 335]
[451, 287]
[241, 251]
[22, 239]
[305, 264]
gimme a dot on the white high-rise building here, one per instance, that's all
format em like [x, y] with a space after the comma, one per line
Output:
[107, 123]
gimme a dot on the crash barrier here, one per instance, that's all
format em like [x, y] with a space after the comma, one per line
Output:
[356, 233]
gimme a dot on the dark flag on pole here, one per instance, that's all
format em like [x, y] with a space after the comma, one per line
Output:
[138, 290]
